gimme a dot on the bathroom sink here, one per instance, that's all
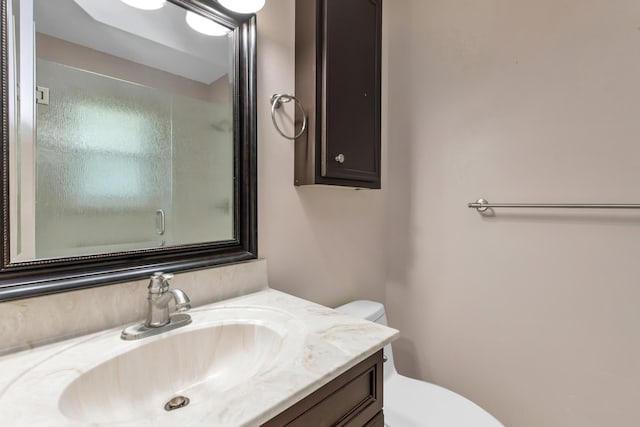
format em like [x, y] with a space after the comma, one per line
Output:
[223, 349]
[240, 363]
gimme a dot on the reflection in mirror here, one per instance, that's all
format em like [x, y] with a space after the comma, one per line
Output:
[126, 141]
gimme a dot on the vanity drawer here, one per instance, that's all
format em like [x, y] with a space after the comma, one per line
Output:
[377, 421]
[353, 399]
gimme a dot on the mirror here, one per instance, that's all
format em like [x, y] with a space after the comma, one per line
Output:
[129, 140]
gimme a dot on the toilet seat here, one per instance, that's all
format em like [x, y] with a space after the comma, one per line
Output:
[413, 403]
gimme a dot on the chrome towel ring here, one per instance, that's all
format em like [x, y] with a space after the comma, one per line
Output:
[276, 101]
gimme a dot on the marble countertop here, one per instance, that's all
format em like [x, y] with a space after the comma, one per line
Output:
[31, 382]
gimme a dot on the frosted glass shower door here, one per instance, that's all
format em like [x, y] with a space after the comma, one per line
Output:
[103, 164]
[202, 171]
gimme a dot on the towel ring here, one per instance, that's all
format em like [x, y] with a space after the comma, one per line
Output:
[276, 101]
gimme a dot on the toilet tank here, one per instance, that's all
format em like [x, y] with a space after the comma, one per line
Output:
[363, 309]
[374, 312]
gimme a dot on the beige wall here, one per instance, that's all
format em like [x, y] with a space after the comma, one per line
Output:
[534, 315]
[323, 244]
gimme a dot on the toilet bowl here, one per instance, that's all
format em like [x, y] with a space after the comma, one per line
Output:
[412, 403]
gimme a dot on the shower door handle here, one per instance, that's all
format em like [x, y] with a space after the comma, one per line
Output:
[160, 222]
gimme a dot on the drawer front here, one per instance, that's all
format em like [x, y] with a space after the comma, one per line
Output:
[353, 399]
[377, 421]
[343, 403]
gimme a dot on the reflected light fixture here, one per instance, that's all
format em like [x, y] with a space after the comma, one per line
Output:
[243, 6]
[205, 25]
[145, 4]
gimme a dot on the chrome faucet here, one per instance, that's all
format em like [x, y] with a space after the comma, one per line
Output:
[158, 318]
[159, 297]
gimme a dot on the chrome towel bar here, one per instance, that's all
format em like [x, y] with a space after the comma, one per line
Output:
[481, 205]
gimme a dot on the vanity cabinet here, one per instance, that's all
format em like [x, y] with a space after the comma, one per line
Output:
[338, 67]
[354, 399]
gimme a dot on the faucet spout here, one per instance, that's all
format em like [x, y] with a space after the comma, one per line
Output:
[183, 303]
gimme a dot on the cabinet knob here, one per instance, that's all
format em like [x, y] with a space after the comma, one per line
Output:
[340, 158]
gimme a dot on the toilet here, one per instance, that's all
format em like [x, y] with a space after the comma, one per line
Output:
[412, 403]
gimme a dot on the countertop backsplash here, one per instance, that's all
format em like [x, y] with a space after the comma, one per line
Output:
[31, 322]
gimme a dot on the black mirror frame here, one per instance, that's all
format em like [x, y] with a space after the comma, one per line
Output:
[42, 277]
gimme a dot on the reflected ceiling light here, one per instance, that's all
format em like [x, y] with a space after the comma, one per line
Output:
[205, 25]
[145, 4]
[243, 6]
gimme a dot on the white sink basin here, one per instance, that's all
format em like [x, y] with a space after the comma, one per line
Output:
[222, 349]
[240, 363]
[193, 363]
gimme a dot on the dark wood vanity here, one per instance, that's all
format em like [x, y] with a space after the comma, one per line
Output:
[338, 67]
[353, 399]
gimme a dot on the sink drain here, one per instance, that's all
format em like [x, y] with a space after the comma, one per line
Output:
[176, 403]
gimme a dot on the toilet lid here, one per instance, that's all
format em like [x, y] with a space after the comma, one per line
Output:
[412, 403]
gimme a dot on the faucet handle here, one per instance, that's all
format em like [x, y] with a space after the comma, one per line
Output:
[159, 282]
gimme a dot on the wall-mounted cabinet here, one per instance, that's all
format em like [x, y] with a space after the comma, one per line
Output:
[338, 48]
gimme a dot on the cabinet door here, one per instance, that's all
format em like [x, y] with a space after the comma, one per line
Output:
[351, 87]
